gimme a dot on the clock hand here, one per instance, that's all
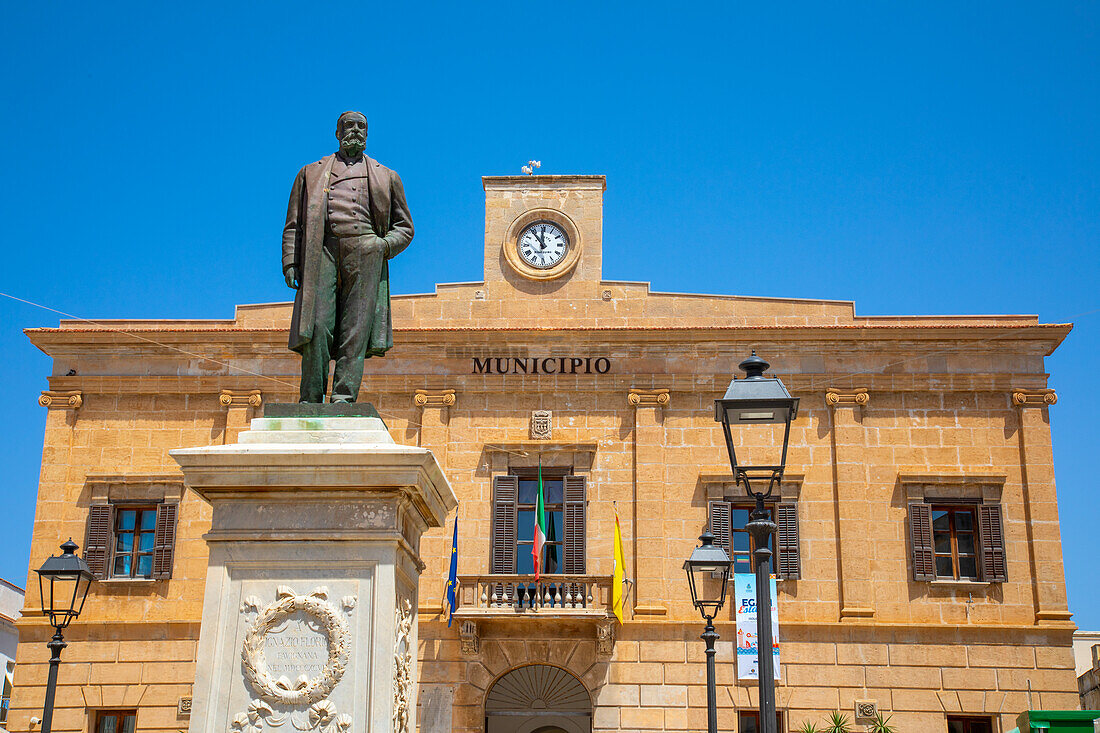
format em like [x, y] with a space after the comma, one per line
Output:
[542, 242]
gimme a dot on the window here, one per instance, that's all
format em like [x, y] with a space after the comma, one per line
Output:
[116, 721]
[957, 541]
[550, 562]
[133, 552]
[748, 721]
[954, 540]
[727, 524]
[961, 724]
[127, 541]
[513, 521]
[5, 696]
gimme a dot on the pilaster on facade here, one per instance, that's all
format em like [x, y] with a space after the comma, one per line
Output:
[435, 416]
[650, 501]
[852, 503]
[1041, 504]
[61, 406]
[240, 407]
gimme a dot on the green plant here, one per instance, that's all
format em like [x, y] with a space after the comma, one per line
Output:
[837, 723]
[881, 724]
[808, 727]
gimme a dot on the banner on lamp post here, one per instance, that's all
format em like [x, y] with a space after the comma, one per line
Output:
[744, 595]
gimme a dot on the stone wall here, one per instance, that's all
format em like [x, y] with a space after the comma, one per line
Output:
[655, 679]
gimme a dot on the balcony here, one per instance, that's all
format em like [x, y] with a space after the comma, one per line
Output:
[511, 596]
[499, 597]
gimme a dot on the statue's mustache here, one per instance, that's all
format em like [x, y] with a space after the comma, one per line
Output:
[353, 137]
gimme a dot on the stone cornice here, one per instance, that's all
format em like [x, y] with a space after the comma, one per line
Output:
[800, 385]
[434, 398]
[984, 338]
[648, 398]
[71, 400]
[1034, 397]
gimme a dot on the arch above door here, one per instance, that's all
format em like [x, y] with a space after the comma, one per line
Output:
[538, 698]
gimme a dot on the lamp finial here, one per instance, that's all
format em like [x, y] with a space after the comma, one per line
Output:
[754, 367]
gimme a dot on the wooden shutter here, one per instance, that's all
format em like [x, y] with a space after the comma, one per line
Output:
[505, 496]
[574, 491]
[97, 542]
[789, 561]
[920, 533]
[164, 540]
[719, 516]
[991, 525]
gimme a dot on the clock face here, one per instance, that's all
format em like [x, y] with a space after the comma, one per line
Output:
[542, 245]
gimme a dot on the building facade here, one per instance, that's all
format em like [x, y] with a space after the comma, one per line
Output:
[921, 563]
[11, 603]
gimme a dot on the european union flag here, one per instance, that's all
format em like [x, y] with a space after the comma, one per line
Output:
[452, 579]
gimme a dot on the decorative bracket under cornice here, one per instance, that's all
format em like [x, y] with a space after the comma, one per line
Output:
[61, 400]
[847, 398]
[232, 398]
[434, 398]
[1033, 397]
[648, 397]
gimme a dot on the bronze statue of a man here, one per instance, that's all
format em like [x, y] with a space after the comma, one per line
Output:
[346, 218]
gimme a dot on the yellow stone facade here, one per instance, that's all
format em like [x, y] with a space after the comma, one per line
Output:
[892, 408]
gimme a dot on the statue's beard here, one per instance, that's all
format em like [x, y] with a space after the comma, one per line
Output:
[352, 145]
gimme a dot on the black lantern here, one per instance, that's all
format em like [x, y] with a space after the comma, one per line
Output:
[757, 400]
[708, 571]
[63, 584]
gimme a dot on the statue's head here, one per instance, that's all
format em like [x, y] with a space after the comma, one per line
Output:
[351, 131]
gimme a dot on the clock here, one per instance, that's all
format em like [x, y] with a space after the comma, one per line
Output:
[542, 245]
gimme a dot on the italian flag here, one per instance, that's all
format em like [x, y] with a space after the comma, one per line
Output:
[540, 526]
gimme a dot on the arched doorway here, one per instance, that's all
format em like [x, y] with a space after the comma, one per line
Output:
[538, 698]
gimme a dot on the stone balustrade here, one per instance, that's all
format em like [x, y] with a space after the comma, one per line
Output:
[550, 595]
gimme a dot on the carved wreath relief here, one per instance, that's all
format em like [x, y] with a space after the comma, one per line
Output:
[321, 616]
[402, 667]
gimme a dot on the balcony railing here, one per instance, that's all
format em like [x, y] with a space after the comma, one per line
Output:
[553, 595]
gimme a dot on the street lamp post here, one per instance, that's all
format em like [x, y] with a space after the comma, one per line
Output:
[708, 571]
[63, 584]
[759, 400]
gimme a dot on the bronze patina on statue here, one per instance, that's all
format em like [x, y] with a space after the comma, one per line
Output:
[346, 219]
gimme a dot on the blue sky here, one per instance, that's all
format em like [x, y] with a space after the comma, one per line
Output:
[939, 158]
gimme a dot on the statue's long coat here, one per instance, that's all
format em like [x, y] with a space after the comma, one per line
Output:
[304, 237]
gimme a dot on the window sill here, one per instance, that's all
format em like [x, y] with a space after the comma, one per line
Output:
[961, 583]
[128, 581]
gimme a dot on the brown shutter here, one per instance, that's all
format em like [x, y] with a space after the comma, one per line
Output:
[920, 533]
[505, 496]
[789, 562]
[573, 491]
[164, 540]
[719, 516]
[97, 542]
[994, 567]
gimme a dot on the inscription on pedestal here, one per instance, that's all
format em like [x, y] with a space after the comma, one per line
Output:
[299, 647]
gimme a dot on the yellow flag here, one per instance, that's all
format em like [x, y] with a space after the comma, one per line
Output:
[617, 576]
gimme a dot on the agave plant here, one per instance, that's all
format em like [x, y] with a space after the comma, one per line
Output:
[808, 727]
[881, 724]
[837, 723]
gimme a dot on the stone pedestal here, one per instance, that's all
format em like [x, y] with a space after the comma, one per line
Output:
[309, 617]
